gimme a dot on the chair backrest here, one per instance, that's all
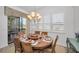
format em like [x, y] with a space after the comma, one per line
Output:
[26, 47]
[54, 45]
[21, 33]
[17, 45]
[37, 32]
[44, 33]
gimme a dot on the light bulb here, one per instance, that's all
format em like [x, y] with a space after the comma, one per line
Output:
[29, 17]
[38, 14]
[33, 14]
[39, 17]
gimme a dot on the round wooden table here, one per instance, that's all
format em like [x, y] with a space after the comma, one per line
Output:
[42, 44]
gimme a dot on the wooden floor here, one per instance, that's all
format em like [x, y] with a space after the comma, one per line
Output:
[11, 49]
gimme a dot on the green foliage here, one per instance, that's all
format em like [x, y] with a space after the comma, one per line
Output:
[10, 21]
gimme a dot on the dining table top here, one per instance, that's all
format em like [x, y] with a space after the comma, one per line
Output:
[40, 43]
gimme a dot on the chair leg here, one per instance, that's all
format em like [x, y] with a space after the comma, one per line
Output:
[54, 51]
[15, 51]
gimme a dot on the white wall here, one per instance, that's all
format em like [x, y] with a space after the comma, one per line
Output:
[3, 28]
[76, 19]
[69, 22]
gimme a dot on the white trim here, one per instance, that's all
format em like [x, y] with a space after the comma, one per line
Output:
[16, 8]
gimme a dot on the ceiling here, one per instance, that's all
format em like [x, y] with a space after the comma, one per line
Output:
[43, 10]
[30, 8]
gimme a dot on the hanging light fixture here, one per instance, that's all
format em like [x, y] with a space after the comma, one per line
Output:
[34, 16]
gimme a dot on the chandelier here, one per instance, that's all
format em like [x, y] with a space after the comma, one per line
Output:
[34, 16]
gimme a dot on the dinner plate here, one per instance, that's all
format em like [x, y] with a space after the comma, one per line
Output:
[46, 40]
[35, 43]
[32, 41]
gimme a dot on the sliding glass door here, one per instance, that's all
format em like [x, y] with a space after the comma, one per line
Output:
[15, 25]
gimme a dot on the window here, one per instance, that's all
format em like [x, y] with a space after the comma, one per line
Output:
[58, 18]
[44, 23]
[54, 22]
[58, 22]
[33, 26]
[23, 24]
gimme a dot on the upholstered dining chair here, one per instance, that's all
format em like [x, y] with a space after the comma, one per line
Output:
[37, 32]
[21, 33]
[44, 33]
[54, 45]
[26, 47]
[17, 45]
[52, 48]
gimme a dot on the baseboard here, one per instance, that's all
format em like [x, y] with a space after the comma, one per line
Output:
[3, 46]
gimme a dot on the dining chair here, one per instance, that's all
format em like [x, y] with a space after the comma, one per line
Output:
[27, 48]
[37, 32]
[44, 33]
[17, 45]
[54, 45]
[21, 33]
[51, 49]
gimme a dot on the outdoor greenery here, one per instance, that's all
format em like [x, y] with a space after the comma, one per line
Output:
[10, 22]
